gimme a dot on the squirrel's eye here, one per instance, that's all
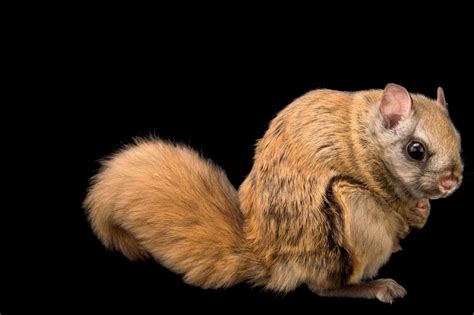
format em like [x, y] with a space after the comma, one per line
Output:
[416, 150]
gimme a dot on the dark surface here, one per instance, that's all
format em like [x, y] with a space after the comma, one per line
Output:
[216, 94]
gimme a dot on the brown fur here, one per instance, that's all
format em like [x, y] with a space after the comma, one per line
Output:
[164, 200]
[325, 204]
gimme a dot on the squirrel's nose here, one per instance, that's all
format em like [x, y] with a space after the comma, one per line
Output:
[448, 181]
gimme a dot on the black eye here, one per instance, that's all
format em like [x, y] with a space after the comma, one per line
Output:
[416, 150]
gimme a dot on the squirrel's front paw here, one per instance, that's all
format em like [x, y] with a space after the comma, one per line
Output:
[418, 216]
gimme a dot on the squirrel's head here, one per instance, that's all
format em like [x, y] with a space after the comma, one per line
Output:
[418, 143]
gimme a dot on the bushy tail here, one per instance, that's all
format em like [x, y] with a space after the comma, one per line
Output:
[164, 200]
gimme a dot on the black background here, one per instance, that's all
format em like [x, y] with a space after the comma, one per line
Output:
[96, 87]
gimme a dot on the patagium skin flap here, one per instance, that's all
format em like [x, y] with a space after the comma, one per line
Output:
[338, 179]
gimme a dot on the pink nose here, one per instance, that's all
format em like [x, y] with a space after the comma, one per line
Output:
[448, 181]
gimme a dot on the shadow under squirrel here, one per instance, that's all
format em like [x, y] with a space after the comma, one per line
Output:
[338, 179]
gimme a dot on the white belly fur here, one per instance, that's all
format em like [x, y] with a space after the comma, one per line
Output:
[371, 233]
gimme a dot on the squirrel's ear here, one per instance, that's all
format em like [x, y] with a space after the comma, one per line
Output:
[440, 99]
[396, 105]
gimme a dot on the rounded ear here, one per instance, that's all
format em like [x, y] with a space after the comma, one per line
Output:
[396, 105]
[440, 97]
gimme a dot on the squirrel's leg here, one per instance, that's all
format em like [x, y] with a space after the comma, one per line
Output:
[418, 216]
[385, 290]
[371, 234]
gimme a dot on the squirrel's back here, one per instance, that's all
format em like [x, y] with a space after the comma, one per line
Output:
[164, 200]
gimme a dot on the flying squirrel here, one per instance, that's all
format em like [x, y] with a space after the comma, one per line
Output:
[338, 179]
